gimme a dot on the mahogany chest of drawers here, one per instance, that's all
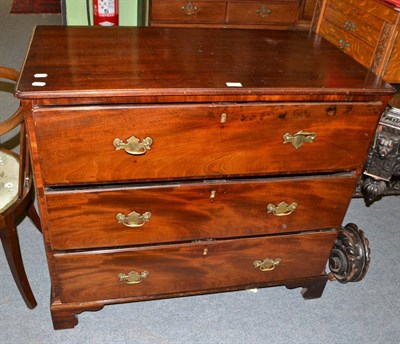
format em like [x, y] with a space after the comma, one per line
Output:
[271, 14]
[167, 169]
[367, 30]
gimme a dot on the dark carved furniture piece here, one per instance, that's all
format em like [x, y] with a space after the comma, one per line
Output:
[350, 256]
[382, 169]
[193, 161]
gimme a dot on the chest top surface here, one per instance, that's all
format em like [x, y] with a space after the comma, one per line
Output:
[120, 61]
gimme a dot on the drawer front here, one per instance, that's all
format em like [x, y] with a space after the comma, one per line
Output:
[195, 267]
[200, 141]
[392, 73]
[358, 22]
[263, 12]
[377, 8]
[196, 211]
[356, 48]
[188, 11]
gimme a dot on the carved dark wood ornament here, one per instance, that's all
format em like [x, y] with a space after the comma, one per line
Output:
[382, 169]
[350, 257]
[381, 48]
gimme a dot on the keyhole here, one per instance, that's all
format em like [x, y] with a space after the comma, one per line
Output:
[213, 194]
[223, 118]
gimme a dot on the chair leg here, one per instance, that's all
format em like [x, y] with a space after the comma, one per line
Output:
[33, 215]
[9, 239]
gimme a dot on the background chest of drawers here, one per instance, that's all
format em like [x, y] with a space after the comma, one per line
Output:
[271, 14]
[163, 171]
[367, 30]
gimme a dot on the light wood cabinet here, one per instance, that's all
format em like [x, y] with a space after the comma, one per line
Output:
[367, 30]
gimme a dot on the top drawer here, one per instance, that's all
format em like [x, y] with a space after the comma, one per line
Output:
[86, 144]
[188, 11]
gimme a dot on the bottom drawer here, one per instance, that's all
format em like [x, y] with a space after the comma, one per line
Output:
[187, 268]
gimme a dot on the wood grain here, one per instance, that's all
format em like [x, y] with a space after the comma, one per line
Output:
[282, 13]
[186, 62]
[183, 212]
[208, 139]
[393, 68]
[171, 11]
[183, 268]
[359, 50]
[77, 143]
[372, 39]
[367, 27]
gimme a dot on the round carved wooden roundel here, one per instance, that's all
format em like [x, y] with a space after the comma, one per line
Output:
[350, 256]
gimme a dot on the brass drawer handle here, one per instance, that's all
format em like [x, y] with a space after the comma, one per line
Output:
[268, 264]
[349, 26]
[134, 219]
[263, 11]
[343, 44]
[300, 138]
[133, 277]
[190, 10]
[283, 209]
[133, 145]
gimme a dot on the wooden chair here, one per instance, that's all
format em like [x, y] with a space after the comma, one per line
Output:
[16, 196]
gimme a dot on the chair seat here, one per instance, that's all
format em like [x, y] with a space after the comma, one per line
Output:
[9, 173]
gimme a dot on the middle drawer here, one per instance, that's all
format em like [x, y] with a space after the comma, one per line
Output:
[195, 211]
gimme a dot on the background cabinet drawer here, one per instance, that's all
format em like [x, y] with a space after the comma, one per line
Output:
[196, 211]
[266, 12]
[201, 141]
[359, 23]
[356, 48]
[93, 276]
[366, 30]
[188, 12]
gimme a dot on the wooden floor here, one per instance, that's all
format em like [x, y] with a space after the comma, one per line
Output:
[36, 6]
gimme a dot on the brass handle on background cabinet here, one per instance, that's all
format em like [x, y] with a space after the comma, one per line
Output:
[300, 138]
[133, 145]
[283, 209]
[134, 219]
[133, 277]
[263, 11]
[349, 26]
[189, 9]
[343, 44]
[268, 264]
